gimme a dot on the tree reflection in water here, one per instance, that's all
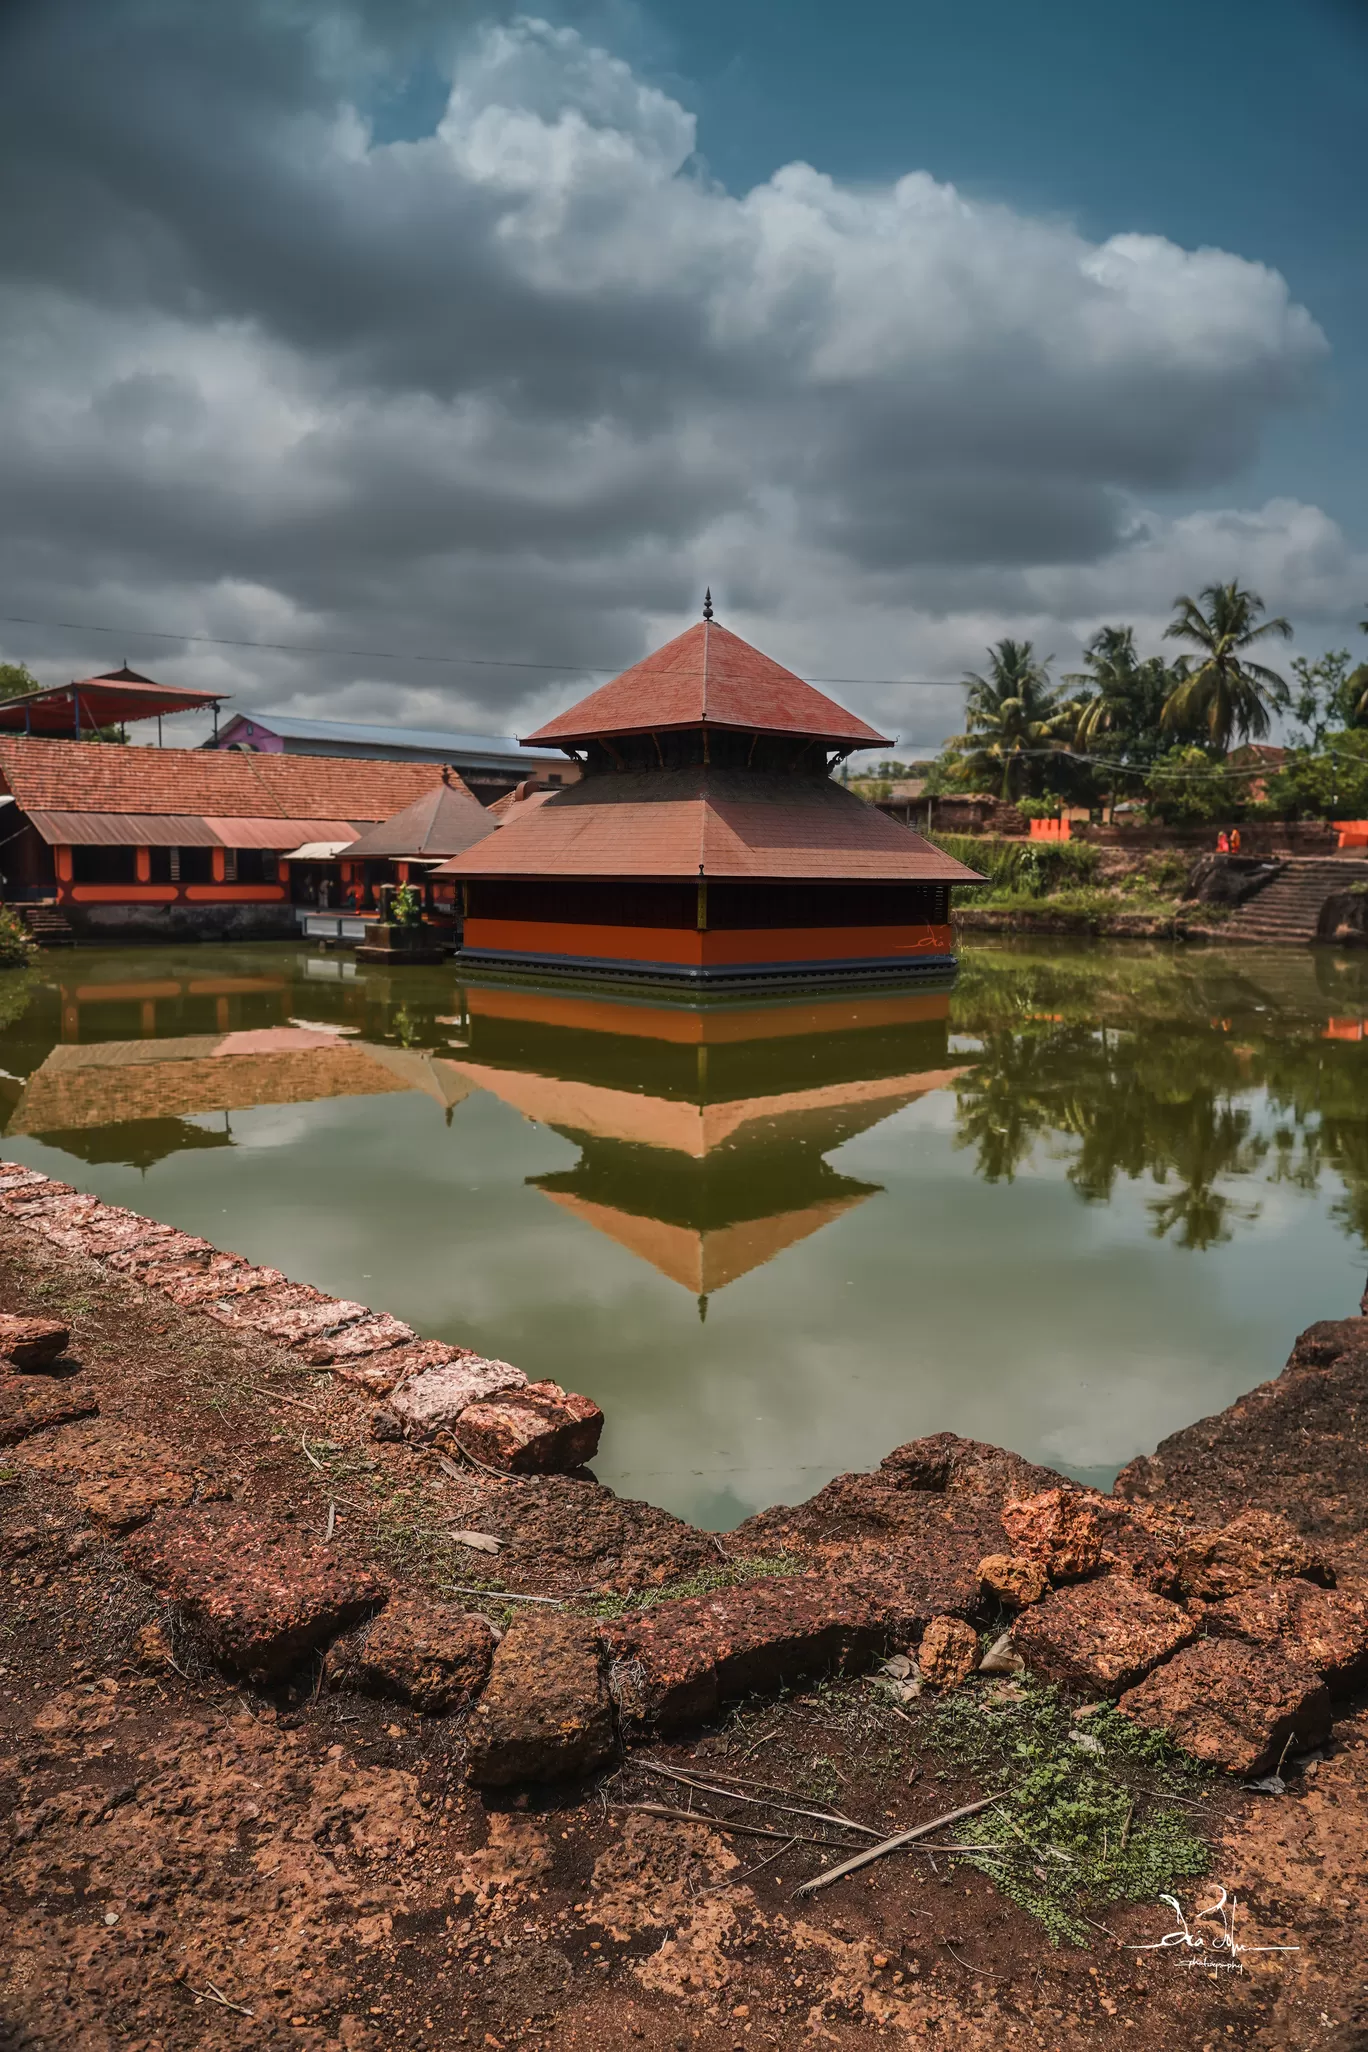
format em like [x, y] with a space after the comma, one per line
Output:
[1201, 1070]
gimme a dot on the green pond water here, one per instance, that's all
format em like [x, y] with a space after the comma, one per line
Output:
[1087, 1196]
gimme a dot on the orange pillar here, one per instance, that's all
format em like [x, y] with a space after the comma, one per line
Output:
[216, 864]
[142, 859]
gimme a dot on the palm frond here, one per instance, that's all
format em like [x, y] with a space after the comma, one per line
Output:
[1278, 626]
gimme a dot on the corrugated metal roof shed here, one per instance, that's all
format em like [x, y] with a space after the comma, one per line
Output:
[497, 750]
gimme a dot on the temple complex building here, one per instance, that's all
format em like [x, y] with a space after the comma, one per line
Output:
[705, 845]
[175, 843]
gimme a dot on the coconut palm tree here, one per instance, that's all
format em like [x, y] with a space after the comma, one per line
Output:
[1128, 691]
[1013, 712]
[1224, 694]
[1122, 714]
[1356, 688]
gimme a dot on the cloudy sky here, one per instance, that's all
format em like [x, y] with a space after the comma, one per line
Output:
[411, 329]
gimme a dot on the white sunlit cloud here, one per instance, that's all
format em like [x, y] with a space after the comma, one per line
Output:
[523, 386]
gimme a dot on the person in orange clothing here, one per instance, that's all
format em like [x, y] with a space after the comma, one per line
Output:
[1234, 840]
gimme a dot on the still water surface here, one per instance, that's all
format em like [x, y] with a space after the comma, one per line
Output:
[1086, 1197]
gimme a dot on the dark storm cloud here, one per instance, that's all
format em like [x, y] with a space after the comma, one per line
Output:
[521, 385]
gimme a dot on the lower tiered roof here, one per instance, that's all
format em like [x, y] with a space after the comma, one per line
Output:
[718, 823]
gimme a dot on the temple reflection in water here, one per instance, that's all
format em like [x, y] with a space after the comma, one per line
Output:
[1147, 1170]
[122, 1084]
[703, 1134]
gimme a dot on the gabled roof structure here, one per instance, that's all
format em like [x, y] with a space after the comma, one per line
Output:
[443, 822]
[707, 676]
[84, 776]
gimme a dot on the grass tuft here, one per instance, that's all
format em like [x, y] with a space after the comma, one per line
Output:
[726, 1575]
[1075, 1829]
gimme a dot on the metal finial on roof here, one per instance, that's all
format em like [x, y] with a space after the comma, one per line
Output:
[707, 604]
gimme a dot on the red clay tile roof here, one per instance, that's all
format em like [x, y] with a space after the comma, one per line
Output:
[708, 674]
[92, 776]
[103, 702]
[732, 822]
[522, 795]
[182, 830]
[442, 822]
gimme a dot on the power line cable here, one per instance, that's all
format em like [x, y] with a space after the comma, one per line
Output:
[583, 669]
[1133, 769]
[384, 655]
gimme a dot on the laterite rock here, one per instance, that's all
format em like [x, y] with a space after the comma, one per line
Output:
[1257, 1546]
[1101, 1636]
[540, 1429]
[30, 1344]
[256, 1595]
[676, 1663]
[433, 1655]
[1056, 1527]
[949, 1652]
[1323, 1628]
[545, 1714]
[1233, 1705]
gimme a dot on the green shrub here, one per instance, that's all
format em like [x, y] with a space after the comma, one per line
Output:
[1186, 788]
[1037, 868]
[17, 948]
[1328, 783]
[406, 907]
[1163, 874]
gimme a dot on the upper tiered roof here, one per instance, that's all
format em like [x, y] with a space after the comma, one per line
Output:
[708, 676]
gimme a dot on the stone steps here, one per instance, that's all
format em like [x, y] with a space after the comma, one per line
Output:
[1287, 910]
[48, 926]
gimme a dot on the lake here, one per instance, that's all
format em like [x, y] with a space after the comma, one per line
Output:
[1088, 1195]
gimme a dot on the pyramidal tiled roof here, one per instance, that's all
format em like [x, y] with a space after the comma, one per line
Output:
[736, 823]
[444, 821]
[708, 674]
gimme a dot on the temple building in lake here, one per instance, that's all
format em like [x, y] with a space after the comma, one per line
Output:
[705, 845]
